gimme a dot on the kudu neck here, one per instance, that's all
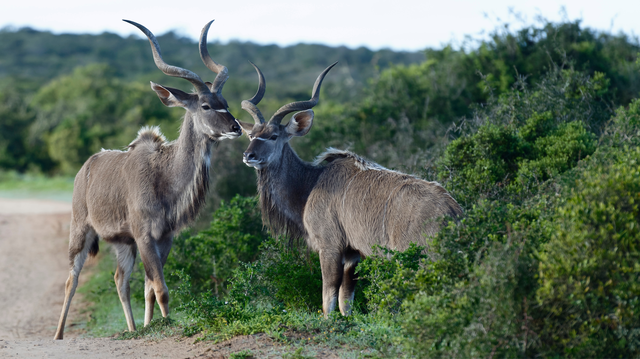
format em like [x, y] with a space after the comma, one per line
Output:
[188, 171]
[193, 149]
[284, 188]
[292, 172]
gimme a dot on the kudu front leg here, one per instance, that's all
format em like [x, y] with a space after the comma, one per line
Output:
[332, 270]
[126, 257]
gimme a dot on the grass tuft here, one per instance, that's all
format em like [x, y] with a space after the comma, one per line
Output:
[157, 328]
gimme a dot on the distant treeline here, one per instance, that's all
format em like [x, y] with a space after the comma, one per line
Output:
[41, 56]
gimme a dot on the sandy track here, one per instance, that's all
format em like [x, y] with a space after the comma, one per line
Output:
[33, 270]
[33, 266]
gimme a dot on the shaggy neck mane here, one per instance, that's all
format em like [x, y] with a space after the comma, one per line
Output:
[284, 187]
[189, 171]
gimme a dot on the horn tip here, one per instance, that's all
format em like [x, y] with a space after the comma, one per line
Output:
[207, 25]
[254, 65]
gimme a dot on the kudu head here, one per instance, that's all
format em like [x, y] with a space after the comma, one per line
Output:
[269, 138]
[208, 109]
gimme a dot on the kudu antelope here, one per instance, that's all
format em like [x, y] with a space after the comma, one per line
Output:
[139, 198]
[341, 204]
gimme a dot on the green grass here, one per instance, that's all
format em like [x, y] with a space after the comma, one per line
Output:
[302, 327]
[17, 185]
[243, 354]
[158, 328]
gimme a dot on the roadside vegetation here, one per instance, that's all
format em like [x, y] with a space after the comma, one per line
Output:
[536, 133]
[14, 184]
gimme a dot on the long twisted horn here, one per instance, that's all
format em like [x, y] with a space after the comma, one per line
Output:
[250, 105]
[301, 105]
[170, 70]
[221, 70]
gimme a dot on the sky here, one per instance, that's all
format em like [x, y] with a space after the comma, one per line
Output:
[409, 25]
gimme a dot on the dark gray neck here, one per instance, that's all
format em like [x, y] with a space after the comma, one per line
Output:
[188, 172]
[284, 188]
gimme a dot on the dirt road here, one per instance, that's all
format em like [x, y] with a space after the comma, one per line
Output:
[33, 270]
[33, 266]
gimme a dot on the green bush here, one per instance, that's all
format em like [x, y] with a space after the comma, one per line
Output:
[507, 168]
[477, 317]
[210, 257]
[473, 298]
[624, 131]
[281, 276]
[589, 291]
[525, 137]
[387, 278]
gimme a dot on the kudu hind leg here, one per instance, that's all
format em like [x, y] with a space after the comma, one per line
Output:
[126, 257]
[348, 286]
[80, 242]
[153, 258]
[332, 271]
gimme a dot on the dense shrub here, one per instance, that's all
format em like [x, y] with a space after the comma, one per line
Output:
[526, 136]
[589, 293]
[387, 278]
[282, 275]
[234, 260]
[508, 168]
[477, 317]
[280, 280]
[210, 257]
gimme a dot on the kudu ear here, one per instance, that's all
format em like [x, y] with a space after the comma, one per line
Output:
[246, 127]
[300, 123]
[171, 97]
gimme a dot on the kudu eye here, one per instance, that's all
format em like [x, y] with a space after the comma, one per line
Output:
[205, 107]
[273, 137]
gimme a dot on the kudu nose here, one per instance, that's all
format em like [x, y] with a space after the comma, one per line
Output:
[236, 128]
[249, 156]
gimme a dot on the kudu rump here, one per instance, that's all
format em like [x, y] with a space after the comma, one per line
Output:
[341, 204]
[142, 196]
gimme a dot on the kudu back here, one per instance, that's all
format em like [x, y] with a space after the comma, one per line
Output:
[139, 198]
[341, 204]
